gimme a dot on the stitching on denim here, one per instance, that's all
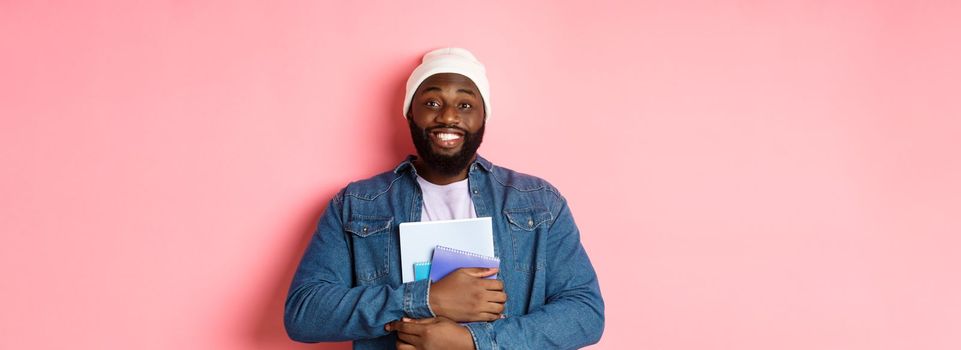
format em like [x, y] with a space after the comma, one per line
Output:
[407, 294]
[382, 222]
[427, 301]
[404, 164]
[372, 217]
[383, 270]
[365, 196]
[386, 266]
[522, 232]
[502, 183]
[473, 337]
[544, 185]
[523, 268]
[490, 330]
[485, 164]
[532, 210]
[415, 208]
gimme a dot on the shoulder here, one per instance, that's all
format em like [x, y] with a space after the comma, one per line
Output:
[371, 187]
[519, 181]
[376, 186]
[522, 183]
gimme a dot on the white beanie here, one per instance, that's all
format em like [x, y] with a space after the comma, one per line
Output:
[449, 60]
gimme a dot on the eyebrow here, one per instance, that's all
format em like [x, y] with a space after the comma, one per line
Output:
[435, 88]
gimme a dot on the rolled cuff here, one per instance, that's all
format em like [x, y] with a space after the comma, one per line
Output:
[417, 299]
[483, 334]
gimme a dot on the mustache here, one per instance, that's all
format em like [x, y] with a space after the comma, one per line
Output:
[431, 129]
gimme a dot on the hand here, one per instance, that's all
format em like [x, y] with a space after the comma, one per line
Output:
[465, 296]
[431, 333]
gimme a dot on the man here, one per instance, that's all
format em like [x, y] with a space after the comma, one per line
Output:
[348, 285]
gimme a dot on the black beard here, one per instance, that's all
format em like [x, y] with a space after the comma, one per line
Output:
[442, 164]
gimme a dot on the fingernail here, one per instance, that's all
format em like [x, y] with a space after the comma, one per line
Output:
[406, 319]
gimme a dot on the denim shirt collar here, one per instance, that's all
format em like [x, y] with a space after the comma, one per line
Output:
[408, 164]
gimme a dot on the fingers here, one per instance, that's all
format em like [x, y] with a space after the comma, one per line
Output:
[420, 320]
[480, 272]
[404, 346]
[397, 325]
[497, 285]
[412, 326]
[408, 338]
[494, 308]
[463, 295]
[390, 327]
[495, 296]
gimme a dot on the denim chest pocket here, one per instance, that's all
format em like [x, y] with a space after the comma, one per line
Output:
[371, 245]
[527, 226]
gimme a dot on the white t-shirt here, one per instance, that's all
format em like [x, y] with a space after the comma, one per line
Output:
[446, 202]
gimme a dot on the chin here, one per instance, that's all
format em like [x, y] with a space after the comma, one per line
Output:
[445, 153]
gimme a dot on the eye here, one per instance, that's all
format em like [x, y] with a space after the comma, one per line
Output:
[432, 104]
[464, 106]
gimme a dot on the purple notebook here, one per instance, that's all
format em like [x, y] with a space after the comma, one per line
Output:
[446, 260]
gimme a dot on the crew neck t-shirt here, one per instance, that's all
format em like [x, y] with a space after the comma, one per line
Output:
[446, 202]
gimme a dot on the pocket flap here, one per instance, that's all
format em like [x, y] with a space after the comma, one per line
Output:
[367, 225]
[528, 219]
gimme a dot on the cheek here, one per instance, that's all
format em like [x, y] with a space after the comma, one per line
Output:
[421, 116]
[474, 120]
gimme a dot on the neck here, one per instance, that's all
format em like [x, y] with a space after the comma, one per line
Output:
[434, 177]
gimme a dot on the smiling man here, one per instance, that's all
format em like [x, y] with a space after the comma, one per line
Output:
[348, 285]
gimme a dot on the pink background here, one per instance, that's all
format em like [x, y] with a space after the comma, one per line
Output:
[745, 174]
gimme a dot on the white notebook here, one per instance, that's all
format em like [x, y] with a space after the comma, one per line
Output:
[418, 239]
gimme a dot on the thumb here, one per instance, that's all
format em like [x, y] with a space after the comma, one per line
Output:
[420, 320]
[480, 272]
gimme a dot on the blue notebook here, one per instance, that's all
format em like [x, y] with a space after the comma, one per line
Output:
[447, 260]
[421, 270]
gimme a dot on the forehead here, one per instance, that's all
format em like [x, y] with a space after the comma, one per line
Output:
[447, 81]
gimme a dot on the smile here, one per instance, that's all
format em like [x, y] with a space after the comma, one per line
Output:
[447, 138]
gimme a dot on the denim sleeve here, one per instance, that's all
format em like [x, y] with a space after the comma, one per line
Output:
[322, 305]
[573, 315]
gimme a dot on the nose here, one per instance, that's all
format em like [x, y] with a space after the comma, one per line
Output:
[448, 116]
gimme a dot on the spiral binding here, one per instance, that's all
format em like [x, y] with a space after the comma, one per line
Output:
[472, 254]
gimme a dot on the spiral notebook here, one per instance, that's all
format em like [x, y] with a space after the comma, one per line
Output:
[446, 260]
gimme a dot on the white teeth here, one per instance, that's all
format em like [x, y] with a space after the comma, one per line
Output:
[447, 137]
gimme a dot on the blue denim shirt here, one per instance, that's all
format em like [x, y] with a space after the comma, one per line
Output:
[348, 284]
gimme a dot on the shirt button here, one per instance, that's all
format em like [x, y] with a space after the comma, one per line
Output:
[365, 228]
[530, 222]
[475, 191]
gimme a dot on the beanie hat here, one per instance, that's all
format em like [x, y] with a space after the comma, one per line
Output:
[450, 60]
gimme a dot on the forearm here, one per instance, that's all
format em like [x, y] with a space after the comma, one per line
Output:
[568, 322]
[323, 304]
[322, 311]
